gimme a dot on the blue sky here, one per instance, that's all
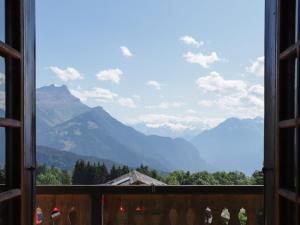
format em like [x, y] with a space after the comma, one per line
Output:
[172, 63]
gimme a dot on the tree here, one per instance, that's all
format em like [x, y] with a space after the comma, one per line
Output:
[53, 176]
[87, 173]
[2, 176]
[258, 178]
[118, 171]
[149, 172]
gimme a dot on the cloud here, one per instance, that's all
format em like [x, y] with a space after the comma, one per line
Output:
[205, 103]
[154, 84]
[98, 94]
[257, 89]
[126, 52]
[176, 127]
[137, 97]
[167, 105]
[214, 82]
[188, 40]
[201, 59]
[175, 123]
[66, 74]
[127, 102]
[191, 111]
[257, 67]
[113, 75]
[235, 98]
[247, 104]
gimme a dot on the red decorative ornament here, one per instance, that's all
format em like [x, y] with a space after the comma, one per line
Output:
[140, 209]
[38, 216]
[122, 209]
[102, 200]
[55, 213]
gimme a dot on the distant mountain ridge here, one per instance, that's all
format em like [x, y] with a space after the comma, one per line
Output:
[55, 105]
[91, 133]
[95, 133]
[65, 160]
[235, 144]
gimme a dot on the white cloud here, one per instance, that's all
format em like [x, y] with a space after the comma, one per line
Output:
[191, 111]
[176, 123]
[137, 97]
[257, 67]
[201, 59]
[66, 74]
[167, 105]
[214, 82]
[176, 127]
[247, 104]
[113, 75]
[126, 52]
[178, 104]
[154, 84]
[127, 102]
[205, 103]
[188, 40]
[233, 97]
[98, 94]
[257, 89]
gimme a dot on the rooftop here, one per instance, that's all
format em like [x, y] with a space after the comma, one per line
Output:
[135, 178]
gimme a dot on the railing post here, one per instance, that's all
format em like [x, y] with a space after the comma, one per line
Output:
[251, 217]
[216, 212]
[96, 209]
[234, 215]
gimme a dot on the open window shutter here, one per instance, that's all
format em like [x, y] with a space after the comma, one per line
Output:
[17, 109]
[282, 132]
[270, 108]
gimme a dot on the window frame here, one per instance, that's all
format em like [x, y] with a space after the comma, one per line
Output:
[18, 49]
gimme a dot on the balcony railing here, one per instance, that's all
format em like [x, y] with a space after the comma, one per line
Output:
[150, 205]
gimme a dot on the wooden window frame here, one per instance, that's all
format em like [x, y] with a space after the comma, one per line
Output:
[282, 43]
[18, 49]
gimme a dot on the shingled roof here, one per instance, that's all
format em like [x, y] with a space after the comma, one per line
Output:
[135, 178]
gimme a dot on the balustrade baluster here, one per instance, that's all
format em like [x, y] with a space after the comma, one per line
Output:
[234, 215]
[216, 212]
[200, 216]
[251, 213]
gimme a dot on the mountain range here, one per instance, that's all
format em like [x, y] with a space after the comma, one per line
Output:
[65, 160]
[233, 145]
[96, 133]
[68, 130]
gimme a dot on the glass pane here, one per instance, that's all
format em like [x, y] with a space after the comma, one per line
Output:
[287, 212]
[287, 159]
[2, 20]
[2, 155]
[2, 87]
[288, 24]
[287, 79]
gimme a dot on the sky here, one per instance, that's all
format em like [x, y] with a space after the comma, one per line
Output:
[177, 64]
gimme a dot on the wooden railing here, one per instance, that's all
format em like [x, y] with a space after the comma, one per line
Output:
[150, 205]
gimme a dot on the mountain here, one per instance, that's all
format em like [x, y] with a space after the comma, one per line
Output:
[233, 145]
[65, 160]
[96, 133]
[55, 105]
[166, 131]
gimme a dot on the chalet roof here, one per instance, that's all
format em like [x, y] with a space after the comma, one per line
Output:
[135, 178]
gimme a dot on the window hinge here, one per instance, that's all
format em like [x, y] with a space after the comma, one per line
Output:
[31, 168]
[267, 169]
